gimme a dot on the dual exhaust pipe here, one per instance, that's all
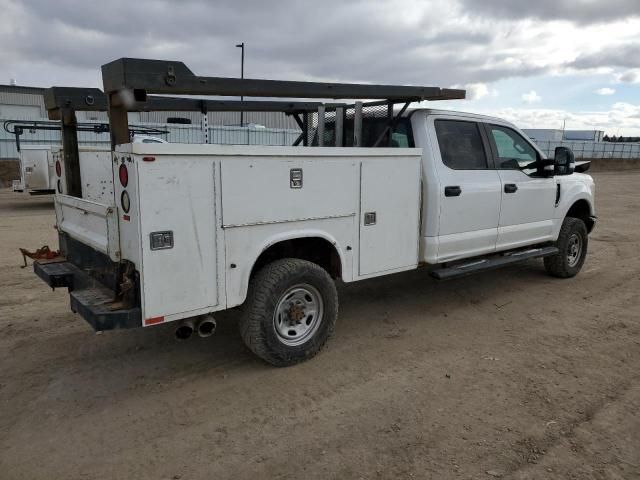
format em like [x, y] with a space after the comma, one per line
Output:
[205, 327]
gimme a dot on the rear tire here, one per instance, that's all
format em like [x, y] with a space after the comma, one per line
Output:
[572, 243]
[290, 312]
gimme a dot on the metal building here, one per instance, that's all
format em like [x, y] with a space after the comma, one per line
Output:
[21, 103]
[258, 128]
[27, 103]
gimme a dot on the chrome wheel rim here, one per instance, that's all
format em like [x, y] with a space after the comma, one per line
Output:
[574, 249]
[298, 314]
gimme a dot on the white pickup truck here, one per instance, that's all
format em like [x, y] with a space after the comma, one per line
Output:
[196, 229]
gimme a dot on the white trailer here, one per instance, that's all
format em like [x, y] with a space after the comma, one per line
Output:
[37, 175]
[38, 171]
[191, 230]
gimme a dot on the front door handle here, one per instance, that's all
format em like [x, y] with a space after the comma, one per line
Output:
[452, 191]
[510, 188]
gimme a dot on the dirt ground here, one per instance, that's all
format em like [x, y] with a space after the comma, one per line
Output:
[508, 374]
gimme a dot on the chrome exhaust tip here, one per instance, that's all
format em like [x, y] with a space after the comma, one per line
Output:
[184, 330]
[207, 326]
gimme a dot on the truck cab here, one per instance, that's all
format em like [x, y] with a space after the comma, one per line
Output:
[487, 188]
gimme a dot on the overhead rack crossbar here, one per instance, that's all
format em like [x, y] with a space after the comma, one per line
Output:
[161, 76]
[129, 81]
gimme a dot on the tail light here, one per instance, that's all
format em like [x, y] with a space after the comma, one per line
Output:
[125, 201]
[123, 174]
[58, 168]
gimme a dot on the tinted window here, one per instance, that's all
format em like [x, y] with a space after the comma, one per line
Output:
[513, 150]
[461, 145]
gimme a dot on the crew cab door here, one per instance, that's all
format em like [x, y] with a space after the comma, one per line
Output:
[528, 197]
[469, 188]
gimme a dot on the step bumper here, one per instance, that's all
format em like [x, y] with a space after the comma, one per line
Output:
[89, 298]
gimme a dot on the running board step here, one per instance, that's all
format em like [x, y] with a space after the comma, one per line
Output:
[485, 264]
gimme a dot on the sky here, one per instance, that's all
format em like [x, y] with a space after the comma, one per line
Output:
[540, 64]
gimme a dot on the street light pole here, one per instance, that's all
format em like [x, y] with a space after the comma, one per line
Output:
[241, 46]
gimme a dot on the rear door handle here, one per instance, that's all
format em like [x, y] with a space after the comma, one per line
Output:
[510, 188]
[452, 191]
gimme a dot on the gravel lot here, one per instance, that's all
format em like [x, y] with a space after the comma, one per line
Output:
[508, 374]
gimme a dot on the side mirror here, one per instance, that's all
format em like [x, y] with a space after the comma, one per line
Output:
[564, 160]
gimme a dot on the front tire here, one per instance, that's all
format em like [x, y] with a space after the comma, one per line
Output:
[290, 312]
[572, 243]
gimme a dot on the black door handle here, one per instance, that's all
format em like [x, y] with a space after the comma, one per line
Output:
[510, 188]
[452, 191]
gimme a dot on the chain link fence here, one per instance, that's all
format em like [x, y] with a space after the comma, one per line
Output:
[374, 120]
[592, 150]
[189, 133]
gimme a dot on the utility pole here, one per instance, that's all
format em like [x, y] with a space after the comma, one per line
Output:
[241, 47]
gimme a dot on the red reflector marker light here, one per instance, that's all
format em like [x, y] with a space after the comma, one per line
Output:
[123, 174]
[58, 168]
[153, 320]
[148, 159]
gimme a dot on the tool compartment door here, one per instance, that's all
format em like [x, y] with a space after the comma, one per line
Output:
[177, 195]
[389, 214]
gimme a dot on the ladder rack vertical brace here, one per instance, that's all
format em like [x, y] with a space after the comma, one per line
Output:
[70, 152]
[390, 123]
[305, 129]
[339, 126]
[118, 121]
[321, 126]
[357, 125]
[205, 127]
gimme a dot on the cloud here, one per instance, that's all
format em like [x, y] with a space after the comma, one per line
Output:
[531, 97]
[434, 42]
[605, 91]
[621, 119]
[476, 91]
[580, 11]
[630, 76]
[619, 55]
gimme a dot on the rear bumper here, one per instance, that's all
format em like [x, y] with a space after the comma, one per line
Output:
[91, 299]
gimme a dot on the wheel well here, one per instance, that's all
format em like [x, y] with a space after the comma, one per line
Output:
[314, 249]
[582, 210]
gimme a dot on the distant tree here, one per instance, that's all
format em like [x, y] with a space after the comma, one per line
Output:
[606, 138]
[614, 138]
